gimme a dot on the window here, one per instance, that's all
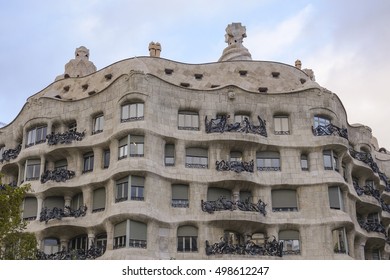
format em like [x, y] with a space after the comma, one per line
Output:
[134, 231]
[331, 161]
[72, 126]
[54, 201]
[169, 155]
[373, 218]
[284, 200]
[99, 200]
[106, 158]
[281, 125]
[79, 243]
[136, 146]
[33, 169]
[258, 238]
[187, 239]
[240, 118]
[370, 183]
[214, 194]
[132, 112]
[137, 188]
[340, 244]
[290, 240]
[88, 162]
[268, 161]
[188, 120]
[235, 156]
[36, 135]
[321, 121]
[122, 189]
[61, 164]
[51, 246]
[30, 207]
[376, 254]
[98, 124]
[180, 196]
[77, 201]
[101, 241]
[336, 198]
[196, 158]
[304, 163]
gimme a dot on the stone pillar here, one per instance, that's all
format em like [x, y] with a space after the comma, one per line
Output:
[114, 146]
[91, 239]
[110, 236]
[236, 195]
[180, 154]
[98, 158]
[40, 199]
[42, 166]
[88, 198]
[67, 199]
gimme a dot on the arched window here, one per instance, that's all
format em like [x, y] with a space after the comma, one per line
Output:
[132, 112]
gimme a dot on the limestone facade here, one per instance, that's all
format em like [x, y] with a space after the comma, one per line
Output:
[146, 163]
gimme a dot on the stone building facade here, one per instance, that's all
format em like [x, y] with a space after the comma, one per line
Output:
[150, 158]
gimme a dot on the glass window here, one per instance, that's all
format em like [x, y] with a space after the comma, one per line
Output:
[180, 196]
[61, 164]
[51, 246]
[373, 218]
[284, 200]
[268, 161]
[235, 156]
[77, 201]
[136, 145]
[196, 158]
[304, 163]
[120, 231]
[187, 239]
[336, 198]
[36, 135]
[331, 161]
[340, 244]
[321, 121]
[33, 169]
[30, 207]
[98, 124]
[106, 158]
[239, 118]
[214, 194]
[290, 240]
[281, 125]
[88, 162]
[72, 126]
[134, 231]
[188, 120]
[169, 155]
[99, 200]
[79, 243]
[123, 148]
[101, 241]
[137, 188]
[132, 112]
[122, 190]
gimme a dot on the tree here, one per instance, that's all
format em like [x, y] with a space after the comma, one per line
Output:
[15, 244]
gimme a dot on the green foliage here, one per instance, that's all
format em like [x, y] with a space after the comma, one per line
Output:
[14, 243]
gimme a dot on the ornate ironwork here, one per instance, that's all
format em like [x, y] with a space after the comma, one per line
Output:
[372, 226]
[131, 119]
[222, 204]
[269, 248]
[80, 254]
[385, 179]
[58, 213]
[236, 166]
[366, 158]
[58, 175]
[11, 154]
[221, 125]
[64, 138]
[330, 129]
[359, 190]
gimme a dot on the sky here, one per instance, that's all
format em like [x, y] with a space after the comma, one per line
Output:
[345, 42]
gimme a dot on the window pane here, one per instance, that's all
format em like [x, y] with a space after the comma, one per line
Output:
[125, 112]
[140, 110]
[133, 110]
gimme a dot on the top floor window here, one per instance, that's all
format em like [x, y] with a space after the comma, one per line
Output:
[188, 120]
[239, 118]
[281, 125]
[132, 112]
[98, 124]
[36, 135]
[321, 121]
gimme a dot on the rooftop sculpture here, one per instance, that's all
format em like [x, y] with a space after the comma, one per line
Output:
[235, 33]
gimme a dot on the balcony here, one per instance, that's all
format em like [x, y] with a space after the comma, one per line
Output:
[64, 138]
[330, 129]
[236, 166]
[372, 227]
[58, 175]
[222, 204]
[11, 154]
[221, 125]
[58, 213]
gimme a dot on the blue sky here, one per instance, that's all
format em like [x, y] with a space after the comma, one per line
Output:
[345, 42]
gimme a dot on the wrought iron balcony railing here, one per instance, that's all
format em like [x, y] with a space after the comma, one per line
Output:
[236, 166]
[64, 138]
[73, 254]
[330, 129]
[222, 204]
[221, 125]
[180, 203]
[372, 226]
[58, 213]
[58, 175]
[269, 248]
[11, 154]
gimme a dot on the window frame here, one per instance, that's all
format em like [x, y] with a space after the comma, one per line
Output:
[128, 116]
[194, 159]
[281, 126]
[98, 124]
[33, 168]
[188, 120]
[88, 162]
[340, 241]
[268, 161]
[281, 206]
[184, 239]
[321, 120]
[36, 135]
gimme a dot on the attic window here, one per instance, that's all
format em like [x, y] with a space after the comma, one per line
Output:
[108, 76]
[198, 76]
[91, 92]
[185, 84]
[243, 72]
[263, 89]
[66, 88]
[275, 74]
[303, 81]
[214, 86]
[168, 71]
[84, 87]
